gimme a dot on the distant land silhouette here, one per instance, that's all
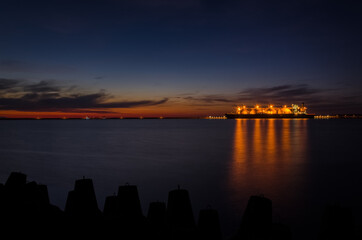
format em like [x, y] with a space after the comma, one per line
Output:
[25, 211]
[97, 118]
[332, 116]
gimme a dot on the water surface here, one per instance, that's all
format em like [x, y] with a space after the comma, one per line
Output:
[300, 164]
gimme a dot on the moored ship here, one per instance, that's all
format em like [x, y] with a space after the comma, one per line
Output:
[293, 111]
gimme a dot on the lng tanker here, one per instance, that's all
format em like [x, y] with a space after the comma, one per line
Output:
[293, 111]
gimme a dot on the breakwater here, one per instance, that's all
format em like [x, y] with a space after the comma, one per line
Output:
[25, 211]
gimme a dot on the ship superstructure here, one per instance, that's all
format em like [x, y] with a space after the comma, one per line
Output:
[270, 111]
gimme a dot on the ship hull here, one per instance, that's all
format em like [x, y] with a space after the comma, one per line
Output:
[233, 115]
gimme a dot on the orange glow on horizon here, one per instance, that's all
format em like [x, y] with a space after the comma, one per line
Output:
[146, 112]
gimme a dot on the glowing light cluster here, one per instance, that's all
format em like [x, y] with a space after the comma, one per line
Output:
[271, 109]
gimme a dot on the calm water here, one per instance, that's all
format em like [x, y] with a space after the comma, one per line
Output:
[301, 165]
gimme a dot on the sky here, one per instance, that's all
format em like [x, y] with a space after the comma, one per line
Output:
[129, 58]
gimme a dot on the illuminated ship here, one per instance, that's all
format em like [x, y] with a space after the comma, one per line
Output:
[294, 111]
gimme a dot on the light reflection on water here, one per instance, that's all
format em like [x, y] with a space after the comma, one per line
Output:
[269, 158]
[262, 148]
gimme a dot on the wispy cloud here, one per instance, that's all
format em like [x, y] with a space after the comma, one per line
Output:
[7, 84]
[42, 87]
[279, 94]
[47, 96]
[275, 94]
[210, 99]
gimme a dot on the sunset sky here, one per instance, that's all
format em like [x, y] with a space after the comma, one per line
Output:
[178, 57]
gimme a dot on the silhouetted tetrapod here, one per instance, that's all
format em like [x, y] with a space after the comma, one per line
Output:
[81, 209]
[128, 203]
[156, 220]
[110, 207]
[129, 212]
[209, 225]
[157, 213]
[257, 219]
[25, 209]
[179, 215]
[82, 202]
[16, 181]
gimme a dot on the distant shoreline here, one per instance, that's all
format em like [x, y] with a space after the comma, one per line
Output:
[336, 116]
[124, 118]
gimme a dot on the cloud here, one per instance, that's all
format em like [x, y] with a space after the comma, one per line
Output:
[210, 99]
[129, 104]
[90, 111]
[23, 87]
[42, 86]
[7, 84]
[46, 96]
[278, 94]
[16, 66]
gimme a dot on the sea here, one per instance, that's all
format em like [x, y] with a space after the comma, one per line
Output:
[302, 165]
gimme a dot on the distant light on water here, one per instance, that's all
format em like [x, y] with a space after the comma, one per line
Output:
[216, 117]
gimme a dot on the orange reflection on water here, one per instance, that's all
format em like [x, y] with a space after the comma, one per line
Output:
[266, 155]
[285, 140]
[271, 142]
[240, 148]
[257, 141]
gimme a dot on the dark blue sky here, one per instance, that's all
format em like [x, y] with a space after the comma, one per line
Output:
[197, 56]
